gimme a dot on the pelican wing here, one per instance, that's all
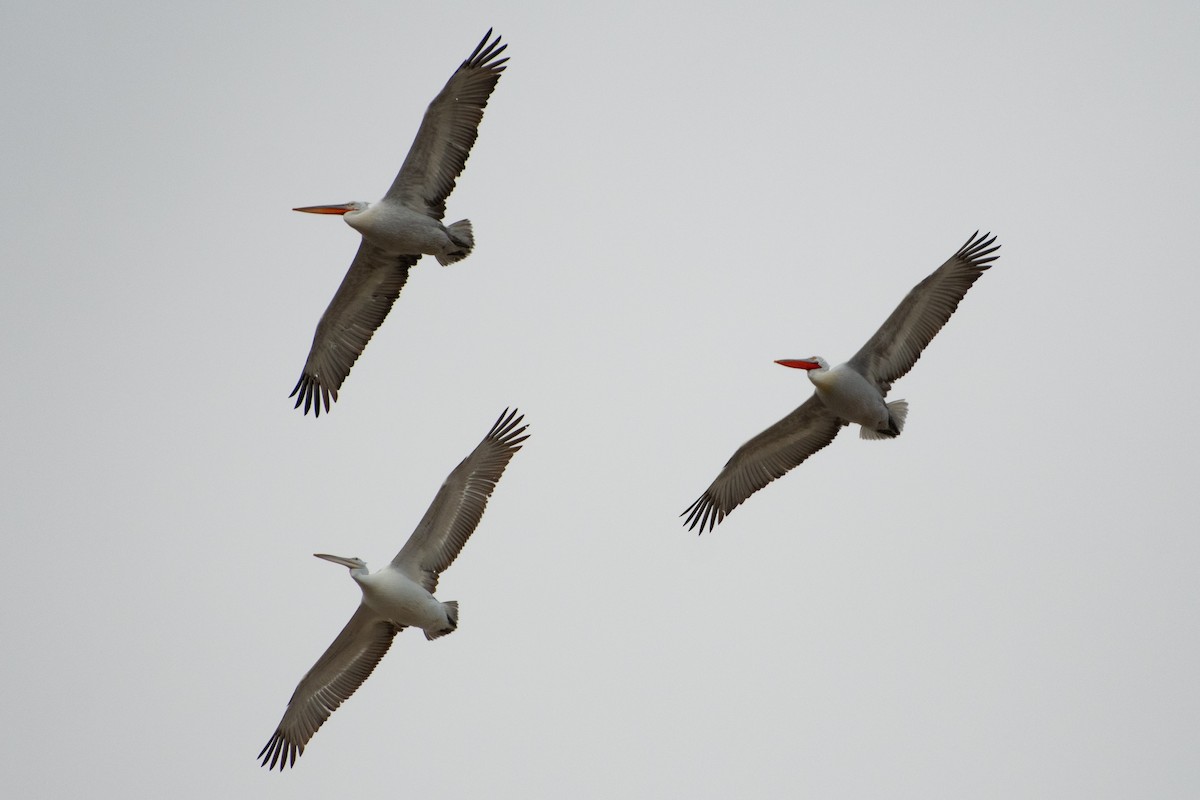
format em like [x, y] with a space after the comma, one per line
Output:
[761, 460]
[360, 305]
[459, 504]
[336, 675]
[448, 132]
[898, 343]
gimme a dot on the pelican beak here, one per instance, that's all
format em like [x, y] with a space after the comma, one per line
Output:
[798, 363]
[342, 209]
[350, 563]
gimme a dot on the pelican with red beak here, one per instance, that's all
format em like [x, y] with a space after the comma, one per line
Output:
[851, 392]
[403, 226]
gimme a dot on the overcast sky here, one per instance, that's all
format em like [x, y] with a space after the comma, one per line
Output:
[666, 197]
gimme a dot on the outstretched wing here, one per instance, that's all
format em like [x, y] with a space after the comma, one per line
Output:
[448, 132]
[897, 345]
[459, 504]
[761, 460]
[360, 305]
[336, 675]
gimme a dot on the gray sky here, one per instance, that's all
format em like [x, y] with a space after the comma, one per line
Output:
[1000, 603]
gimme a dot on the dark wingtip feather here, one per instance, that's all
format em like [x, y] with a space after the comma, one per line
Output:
[506, 431]
[482, 58]
[703, 512]
[976, 248]
[311, 393]
[279, 751]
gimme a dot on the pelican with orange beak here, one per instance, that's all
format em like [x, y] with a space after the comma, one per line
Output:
[400, 228]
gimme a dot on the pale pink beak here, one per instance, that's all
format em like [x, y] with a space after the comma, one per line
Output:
[798, 363]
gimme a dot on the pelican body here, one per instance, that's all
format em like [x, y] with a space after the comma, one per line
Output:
[394, 596]
[398, 229]
[853, 392]
[851, 397]
[398, 596]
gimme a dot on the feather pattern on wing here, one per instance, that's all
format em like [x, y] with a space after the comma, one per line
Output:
[337, 674]
[359, 307]
[448, 132]
[764, 458]
[460, 503]
[898, 343]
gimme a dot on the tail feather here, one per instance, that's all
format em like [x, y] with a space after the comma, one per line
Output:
[451, 608]
[463, 237]
[897, 412]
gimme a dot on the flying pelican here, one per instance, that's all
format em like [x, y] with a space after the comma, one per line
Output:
[850, 392]
[401, 227]
[399, 595]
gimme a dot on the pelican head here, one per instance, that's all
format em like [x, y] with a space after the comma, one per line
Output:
[812, 362]
[352, 564]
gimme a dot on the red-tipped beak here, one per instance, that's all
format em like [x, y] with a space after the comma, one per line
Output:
[342, 209]
[798, 363]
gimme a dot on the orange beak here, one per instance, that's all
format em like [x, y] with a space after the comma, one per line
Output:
[342, 209]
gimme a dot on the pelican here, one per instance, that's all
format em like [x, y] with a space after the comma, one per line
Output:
[850, 392]
[398, 596]
[400, 228]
